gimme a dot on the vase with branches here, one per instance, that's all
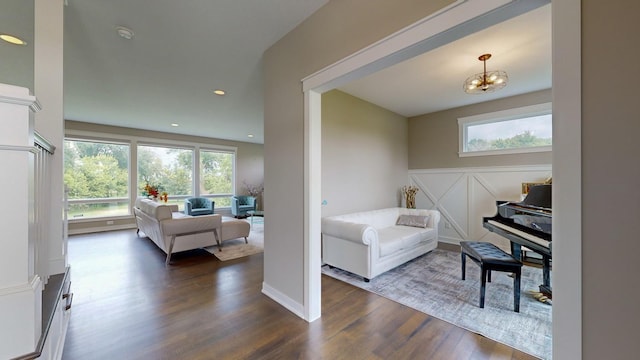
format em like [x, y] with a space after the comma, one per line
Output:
[409, 192]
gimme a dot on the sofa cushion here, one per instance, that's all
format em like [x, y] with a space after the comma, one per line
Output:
[420, 221]
[395, 238]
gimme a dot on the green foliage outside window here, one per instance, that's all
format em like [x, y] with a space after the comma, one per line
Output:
[95, 170]
[523, 140]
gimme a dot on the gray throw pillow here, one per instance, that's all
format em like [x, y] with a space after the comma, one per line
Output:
[420, 221]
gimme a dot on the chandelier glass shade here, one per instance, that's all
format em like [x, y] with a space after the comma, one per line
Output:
[486, 81]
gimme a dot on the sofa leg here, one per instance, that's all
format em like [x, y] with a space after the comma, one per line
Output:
[215, 234]
[366, 280]
[246, 241]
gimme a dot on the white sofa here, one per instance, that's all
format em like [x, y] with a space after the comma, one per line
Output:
[369, 243]
[173, 231]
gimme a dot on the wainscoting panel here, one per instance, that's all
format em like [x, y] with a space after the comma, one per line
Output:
[465, 195]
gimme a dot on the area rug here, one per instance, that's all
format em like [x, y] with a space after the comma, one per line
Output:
[236, 248]
[432, 284]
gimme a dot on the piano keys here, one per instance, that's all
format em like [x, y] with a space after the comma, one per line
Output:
[527, 223]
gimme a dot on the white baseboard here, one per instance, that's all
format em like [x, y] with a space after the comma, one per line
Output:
[284, 300]
[101, 229]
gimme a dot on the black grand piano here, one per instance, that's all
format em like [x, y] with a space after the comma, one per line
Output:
[527, 223]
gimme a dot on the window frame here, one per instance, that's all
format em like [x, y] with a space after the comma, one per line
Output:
[115, 200]
[133, 142]
[498, 116]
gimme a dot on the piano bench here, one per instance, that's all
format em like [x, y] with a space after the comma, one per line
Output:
[491, 258]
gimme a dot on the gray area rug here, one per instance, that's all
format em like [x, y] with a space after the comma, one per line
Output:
[432, 284]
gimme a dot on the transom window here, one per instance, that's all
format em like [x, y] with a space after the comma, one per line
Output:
[520, 130]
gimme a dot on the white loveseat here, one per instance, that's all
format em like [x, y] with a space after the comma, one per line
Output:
[174, 231]
[369, 243]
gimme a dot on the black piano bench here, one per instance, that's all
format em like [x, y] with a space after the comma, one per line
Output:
[491, 258]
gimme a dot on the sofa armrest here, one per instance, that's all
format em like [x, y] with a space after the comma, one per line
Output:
[191, 225]
[358, 233]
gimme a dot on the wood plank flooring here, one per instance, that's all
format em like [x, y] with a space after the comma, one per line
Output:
[128, 305]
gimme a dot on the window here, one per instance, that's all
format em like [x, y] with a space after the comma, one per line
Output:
[216, 176]
[521, 130]
[97, 177]
[169, 169]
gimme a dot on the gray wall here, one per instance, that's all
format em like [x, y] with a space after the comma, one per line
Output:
[610, 172]
[433, 138]
[364, 155]
[336, 30]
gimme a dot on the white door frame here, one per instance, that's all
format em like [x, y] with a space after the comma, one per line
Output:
[461, 18]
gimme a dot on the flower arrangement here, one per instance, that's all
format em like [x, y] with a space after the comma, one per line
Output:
[254, 190]
[409, 193]
[153, 191]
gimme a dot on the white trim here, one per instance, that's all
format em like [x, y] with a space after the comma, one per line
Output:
[31, 149]
[567, 181]
[17, 95]
[101, 228]
[484, 169]
[313, 211]
[25, 287]
[284, 300]
[506, 151]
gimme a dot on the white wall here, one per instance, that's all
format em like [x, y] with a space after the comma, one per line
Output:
[465, 195]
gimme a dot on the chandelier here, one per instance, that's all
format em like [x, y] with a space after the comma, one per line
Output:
[486, 81]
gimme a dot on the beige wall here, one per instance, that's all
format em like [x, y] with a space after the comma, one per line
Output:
[249, 160]
[336, 30]
[610, 172]
[364, 155]
[433, 138]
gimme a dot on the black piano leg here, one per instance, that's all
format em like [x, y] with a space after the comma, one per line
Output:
[516, 291]
[483, 286]
[464, 265]
[545, 288]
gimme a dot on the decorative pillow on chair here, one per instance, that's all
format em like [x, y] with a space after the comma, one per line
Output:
[420, 221]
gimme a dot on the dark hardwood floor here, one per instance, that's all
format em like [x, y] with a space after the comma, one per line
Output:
[128, 305]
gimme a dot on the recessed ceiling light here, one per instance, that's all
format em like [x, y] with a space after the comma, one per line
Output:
[250, 135]
[12, 39]
[124, 32]
[219, 92]
[175, 125]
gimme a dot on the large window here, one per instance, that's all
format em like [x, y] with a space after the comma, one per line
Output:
[216, 176]
[97, 176]
[168, 169]
[102, 182]
[526, 129]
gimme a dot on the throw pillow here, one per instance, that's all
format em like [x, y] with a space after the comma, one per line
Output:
[413, 220]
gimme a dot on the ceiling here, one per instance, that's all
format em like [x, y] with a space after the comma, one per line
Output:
[433, 81]
[182, 50]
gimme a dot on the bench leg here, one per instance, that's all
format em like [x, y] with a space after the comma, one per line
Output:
[516, 291]
[464, 265]
[489, 275]
[483, 286]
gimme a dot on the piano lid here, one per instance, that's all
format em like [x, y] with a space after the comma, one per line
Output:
[538, 196]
